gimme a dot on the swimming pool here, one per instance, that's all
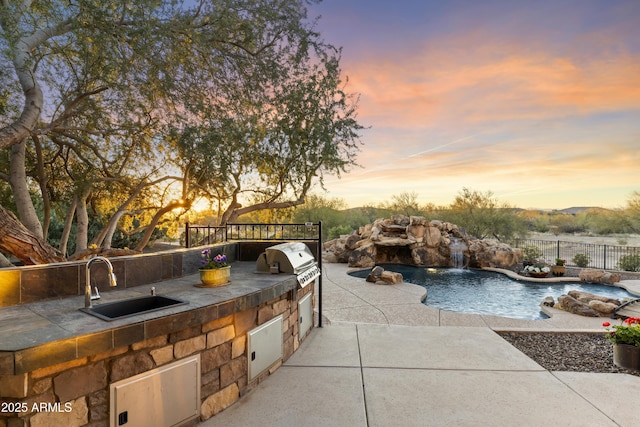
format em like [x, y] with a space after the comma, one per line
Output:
[486, 292]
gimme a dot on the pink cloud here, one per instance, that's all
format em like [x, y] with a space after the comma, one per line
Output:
[459, 80]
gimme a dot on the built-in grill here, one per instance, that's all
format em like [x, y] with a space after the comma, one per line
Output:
[291, 258]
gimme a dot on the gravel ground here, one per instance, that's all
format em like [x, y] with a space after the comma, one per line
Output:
[567, 352]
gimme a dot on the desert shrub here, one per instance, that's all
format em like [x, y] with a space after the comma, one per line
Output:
[338, 230]
[531, 253]
[629, 262]
[581, 260]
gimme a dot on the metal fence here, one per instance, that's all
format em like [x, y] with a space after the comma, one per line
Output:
[606, 257]
[306, 231]
[198, 235]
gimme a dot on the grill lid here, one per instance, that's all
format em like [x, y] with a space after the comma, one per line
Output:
[290, 257]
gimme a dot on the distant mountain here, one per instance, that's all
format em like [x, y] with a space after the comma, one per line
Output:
[578, 209]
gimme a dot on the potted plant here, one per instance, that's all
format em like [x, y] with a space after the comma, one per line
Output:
[626, 343]
[214, 271]
[538, 270]
[559, 269]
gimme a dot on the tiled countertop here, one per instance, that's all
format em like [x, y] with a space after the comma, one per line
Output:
[42, 334]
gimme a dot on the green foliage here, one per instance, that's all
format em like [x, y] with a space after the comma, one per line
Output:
[629, 262]
[604, 221]
[242, 99]
[337, 231]
[531, 253]
[482, 216]
[565, 223]
[581, 260]
[626, 333]
[406, 203]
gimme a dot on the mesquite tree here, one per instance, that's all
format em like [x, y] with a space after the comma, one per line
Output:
[96, 93]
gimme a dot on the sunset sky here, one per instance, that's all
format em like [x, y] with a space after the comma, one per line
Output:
[537, 101]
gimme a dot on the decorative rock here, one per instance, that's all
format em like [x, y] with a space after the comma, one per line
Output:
[351, 241]
[364, 256]
[428, 244]
[591, 275]
[606, 308]
[572, 305]
[375, 274]
[610, 278]
[390, 277]
[548, 302]
[587, 296]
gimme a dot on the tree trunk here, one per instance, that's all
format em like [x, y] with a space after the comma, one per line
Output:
[43, 179]
[18, 179]
[154, 222]
[23, 244]
[82, 223]
[111, 229]
[232, 214]
[68, 223]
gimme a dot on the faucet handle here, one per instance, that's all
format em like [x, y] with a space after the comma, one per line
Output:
[97, 294]
[153, 290]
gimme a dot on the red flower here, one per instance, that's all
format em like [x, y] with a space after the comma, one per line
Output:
[606, 324]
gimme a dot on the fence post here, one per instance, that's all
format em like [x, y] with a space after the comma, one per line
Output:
[319, 252]
[605, 258]
[186, 235]
[558, 251]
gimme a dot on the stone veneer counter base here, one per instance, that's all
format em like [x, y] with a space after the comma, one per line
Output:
[52, 355]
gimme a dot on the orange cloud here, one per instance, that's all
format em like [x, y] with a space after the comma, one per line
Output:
[456, 80]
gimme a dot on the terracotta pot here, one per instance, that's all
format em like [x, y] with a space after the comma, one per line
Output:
[538, 275]
[215, 277]
[558, 270]
[626, 356]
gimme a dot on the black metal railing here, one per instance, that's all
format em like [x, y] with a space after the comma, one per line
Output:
[606, 257]
[198, 235]
[307, 231]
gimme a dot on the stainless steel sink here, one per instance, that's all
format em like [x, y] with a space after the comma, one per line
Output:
[131, 307]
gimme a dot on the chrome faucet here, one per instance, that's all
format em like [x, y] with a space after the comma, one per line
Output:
[88, 297]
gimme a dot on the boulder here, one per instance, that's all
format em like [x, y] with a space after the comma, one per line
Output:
[375, 274]
[604, 308]
[351, 241]
[418, 241]
[390, 278]
[587, 296]
[572, 305]
[364, 256]
[432, 237]
[548, 302]
[591, 275]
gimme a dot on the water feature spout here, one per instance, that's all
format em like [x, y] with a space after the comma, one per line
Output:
[456, 250]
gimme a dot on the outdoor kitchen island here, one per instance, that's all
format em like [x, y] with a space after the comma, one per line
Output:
[61, 366]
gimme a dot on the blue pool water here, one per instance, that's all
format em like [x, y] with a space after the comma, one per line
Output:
[486, 292]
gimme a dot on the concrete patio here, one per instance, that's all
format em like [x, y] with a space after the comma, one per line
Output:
[383, 358]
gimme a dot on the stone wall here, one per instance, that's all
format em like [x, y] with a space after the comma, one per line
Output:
[76, 393]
